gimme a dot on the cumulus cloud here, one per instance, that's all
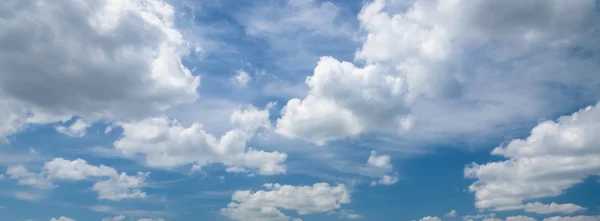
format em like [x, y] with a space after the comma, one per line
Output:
[573, 218]
[62, 218]
[241, 78]
[541, 208]
[380, 166]
[452, 213]
[381, 161]
[264, 205]
[557, 155]
[519, 218]
[117, 187]
[166, 143]
[100, 59]
[430, 218]
[76, 129]
[430, 74]
[116, 218]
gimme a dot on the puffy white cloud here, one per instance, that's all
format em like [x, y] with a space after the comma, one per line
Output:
[430, 218]
[378, 166]
[452, 213]
[62, 218]
[386, 180]
[264, 205]
[76, 129]
[166, 143]
[25, 177]
[121, 187]
[541, 208]
[78, 169]
[430, 74]
[116, 218]
[381, 161]
[573, 218]
[557, 155]
[100, 59]
[519, 218]
[334, 110]
[116, 187]
[241, 78]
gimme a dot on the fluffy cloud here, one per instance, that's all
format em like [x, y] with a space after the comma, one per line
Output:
[116, 218]
[121, 187]
[378, 166]
[452, 213]
[430, 218]
[117, 187]
[167, 144]
[241, 79]
[76, 129]
[541, 208]
[382, 161]
[25, 177]
[264, 205]
[573, 218]
[519, 218]
[557, 155]
[62, 218]
[101, 59]
[431, 74]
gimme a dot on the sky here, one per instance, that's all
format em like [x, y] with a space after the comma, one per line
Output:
[299, 110]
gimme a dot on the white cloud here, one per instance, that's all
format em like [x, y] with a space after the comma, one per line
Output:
[478, 216]
[25, 177]
[148, 219]
[519, 218]
[62, 218]
[121, 187]
[264, 205]
[557, 155]
[378, 166]
[116, 218]
[27, 196]
[167, 144]
[89, 59]
[452, 213]
[76, 129]
[79, 169]
[430, 218]
[381, 161]
[573, 218]
[442, 75]
[386, 180]
[116, 187]
[541, 208]
[349, 214]
[241, 78]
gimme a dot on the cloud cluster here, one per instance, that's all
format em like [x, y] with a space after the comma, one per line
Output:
[429, 73]
[264, 205]
[541, 208]
[381, 166]
[62, 218]
[116, 187]
[166, 143]
[100, 59]
[557, 155]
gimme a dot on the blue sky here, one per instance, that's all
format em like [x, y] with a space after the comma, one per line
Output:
[289, 110]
